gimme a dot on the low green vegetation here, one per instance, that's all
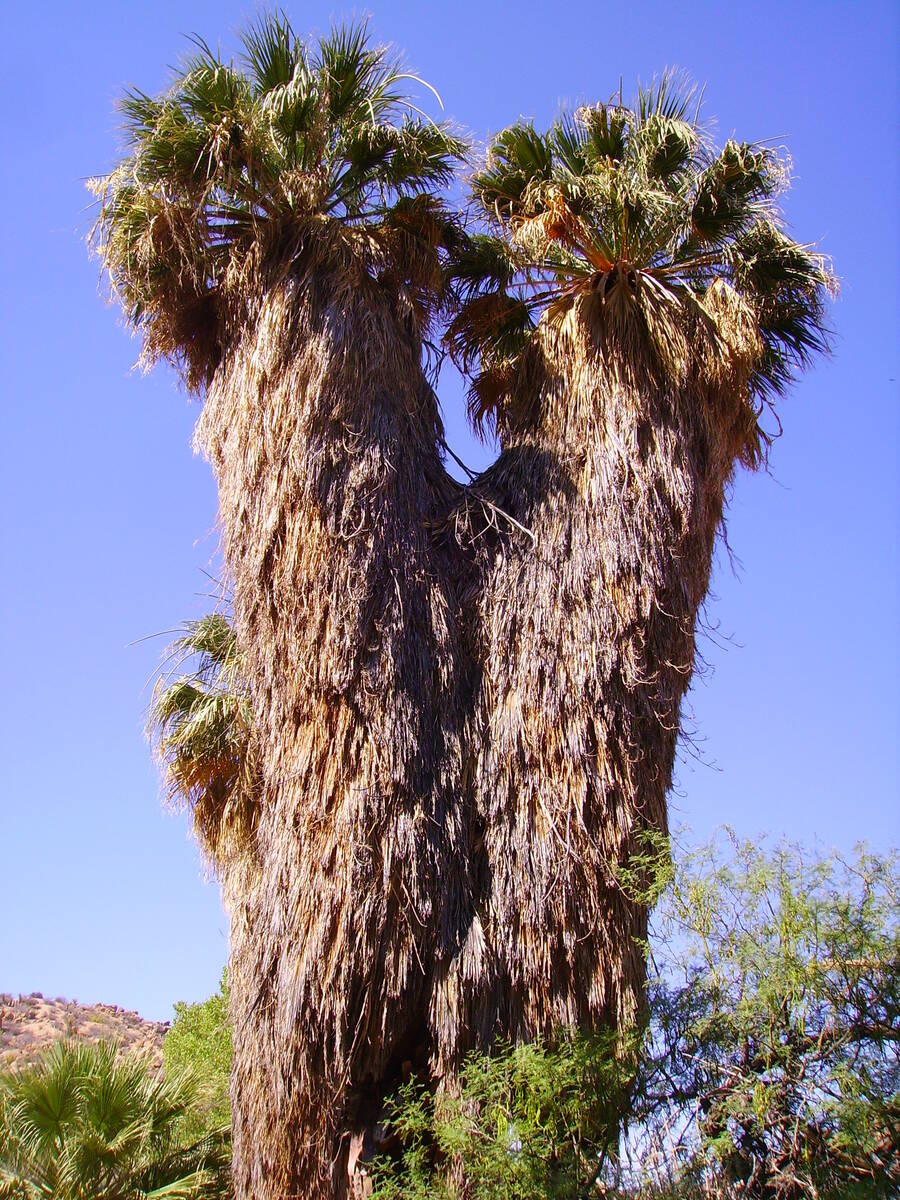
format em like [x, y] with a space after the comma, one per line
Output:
[769, 1068]
[200, 1042]
[85, 1123]
[772, 1067]
[529, 1121]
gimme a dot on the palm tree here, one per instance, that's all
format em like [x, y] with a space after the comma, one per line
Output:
[84, 1122]
[632, 310]
[461, 739]
[274, 231]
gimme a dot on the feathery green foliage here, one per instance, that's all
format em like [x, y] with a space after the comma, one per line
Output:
[635, 207]
[770, 1068]
[200, 722]
[200, 1043]
[84, 1123]
[528, 1121]
[775, 1013]
[294, 150]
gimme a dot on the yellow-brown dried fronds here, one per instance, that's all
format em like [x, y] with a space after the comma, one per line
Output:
[323, 433]
[584, 640]
[201, 726]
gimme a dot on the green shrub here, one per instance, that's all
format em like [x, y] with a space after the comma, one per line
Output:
[528, 1121]
[86, 1122]
[770, 1068]
[774, 1047]
[200, 1042]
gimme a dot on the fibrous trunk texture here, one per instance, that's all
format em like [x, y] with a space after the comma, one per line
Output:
[322, 433]
[584, 631]
[462, 734]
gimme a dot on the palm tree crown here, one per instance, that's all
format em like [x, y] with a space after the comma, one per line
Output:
[200, 722]
[84, 1122]
[633, 209]
[297, 151]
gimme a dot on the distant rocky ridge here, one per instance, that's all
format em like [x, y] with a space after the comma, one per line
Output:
[28, 1024]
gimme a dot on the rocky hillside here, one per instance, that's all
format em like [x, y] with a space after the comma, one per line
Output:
[29, 1023]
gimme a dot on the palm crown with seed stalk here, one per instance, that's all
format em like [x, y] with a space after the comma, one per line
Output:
[297, 148]
[634, 206]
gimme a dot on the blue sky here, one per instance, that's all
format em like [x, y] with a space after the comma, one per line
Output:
[109, 523]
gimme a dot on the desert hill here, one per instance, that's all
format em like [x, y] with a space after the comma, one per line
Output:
[30, 1023]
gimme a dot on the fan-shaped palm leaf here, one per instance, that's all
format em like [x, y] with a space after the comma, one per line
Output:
[635, 208]
[85, 1121]
[200, 722]
[293, 150]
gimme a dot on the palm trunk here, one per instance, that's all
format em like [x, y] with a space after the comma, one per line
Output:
[322, 434]
[585, 634]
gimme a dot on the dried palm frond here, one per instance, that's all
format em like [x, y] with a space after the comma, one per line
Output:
[583, 633]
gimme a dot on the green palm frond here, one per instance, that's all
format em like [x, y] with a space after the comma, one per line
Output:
[483, 260]
[86, 1121]
[360, 82]
[632, 211]
[272, 52]
[520, 157]
[670, 96]
[201, 725]
[266, 157]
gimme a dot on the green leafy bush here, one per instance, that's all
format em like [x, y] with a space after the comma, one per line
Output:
[200, 1042]
[770, 1068]
[528, 1121]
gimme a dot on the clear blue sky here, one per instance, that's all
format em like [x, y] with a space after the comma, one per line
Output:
[108, 521]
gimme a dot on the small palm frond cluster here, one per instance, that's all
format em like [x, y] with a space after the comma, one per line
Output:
[291, 151]
[85, 1121]
[200, 722]
[632, 208]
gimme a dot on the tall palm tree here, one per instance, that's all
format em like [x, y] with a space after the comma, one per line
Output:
[434, 869]
[274, 231]
[84, 1122]
[633, 309]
